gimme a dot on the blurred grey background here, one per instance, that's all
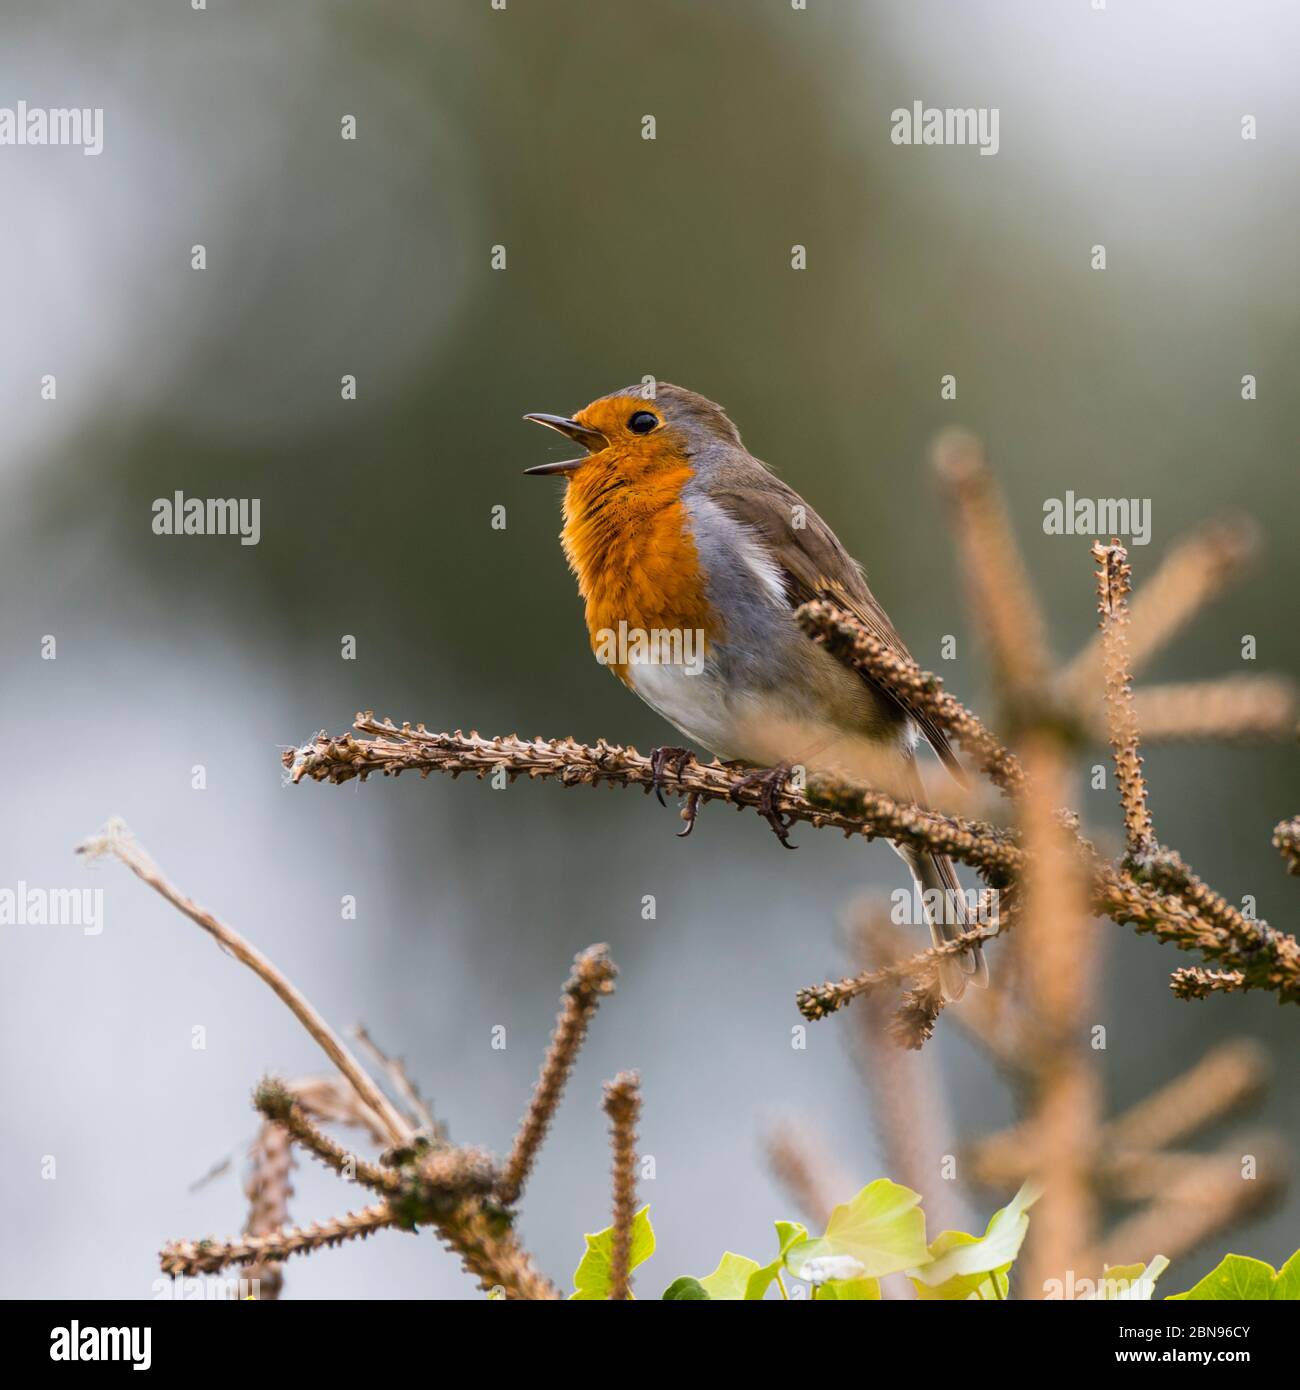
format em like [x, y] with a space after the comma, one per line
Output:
[521, 127]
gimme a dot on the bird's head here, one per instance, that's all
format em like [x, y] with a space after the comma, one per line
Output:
[629, 432]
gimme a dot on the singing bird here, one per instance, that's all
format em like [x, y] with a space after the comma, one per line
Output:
[671, 525]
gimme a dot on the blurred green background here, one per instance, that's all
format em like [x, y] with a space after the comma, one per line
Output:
[522, 127]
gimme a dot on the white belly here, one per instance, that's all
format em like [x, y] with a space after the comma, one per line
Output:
[695, 704]
[763, 728]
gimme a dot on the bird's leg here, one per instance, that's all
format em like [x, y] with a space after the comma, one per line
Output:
[661, 759]
[772, 780]
[689, 812]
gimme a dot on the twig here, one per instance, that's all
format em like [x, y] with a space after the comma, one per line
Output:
[817, 1001]
[1223, 1080]
[330, 1100]
[592, 979]
[1194, 572]
[1233, 707]
[1059, 954]
[268, 1188]
[445, 1188]
[276, 1102]
[828, 802]
[1191, 982]
[908, 1102]
[920, 692]
[1113, 583]
[1001, 598]
[802, 1168]
[1212, 1194]
[1226, 1077]
[421, 1116]
[117, 840]
[1286, 839]
[190, 1257]
[1274, 959]
[623, 1106]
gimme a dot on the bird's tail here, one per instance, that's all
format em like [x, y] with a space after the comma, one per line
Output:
[945, 909]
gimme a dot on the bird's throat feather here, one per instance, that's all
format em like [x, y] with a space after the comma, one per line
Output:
[627, 539]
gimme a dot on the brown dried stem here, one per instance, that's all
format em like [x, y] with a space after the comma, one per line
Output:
[1223, 1080]
[268, 1188]
[1211, 1194]
[189, 1257]
[1233, 707]
[117, 840]
[1113, 583]
[1286, 839]
[1192, 982]
[1269, 959]
[1001, 598]
[1195, 571]
[419, 1113]
[817, 1001]
[623, 1106]
[909, 1103]
[330, 1100]
[444, 1188]
[919, 692]
[828, 802]
[1058, 951]
[276, 1102]
[801, 1167]
[592, 979]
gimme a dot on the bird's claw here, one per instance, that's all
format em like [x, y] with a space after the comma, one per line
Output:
[661, 760]
[772, 781]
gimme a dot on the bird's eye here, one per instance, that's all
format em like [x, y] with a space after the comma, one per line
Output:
[642, 422]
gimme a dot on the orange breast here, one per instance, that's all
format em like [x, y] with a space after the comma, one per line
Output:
[627, 539]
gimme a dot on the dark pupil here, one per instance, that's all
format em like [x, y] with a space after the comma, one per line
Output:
[642, 422]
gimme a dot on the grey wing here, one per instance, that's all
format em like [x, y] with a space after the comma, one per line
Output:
[815, 565]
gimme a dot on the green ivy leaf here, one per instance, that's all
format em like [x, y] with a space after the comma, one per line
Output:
[882, 1228]
[988, 1285]
[686, 1290]
[848, 1290]
[731, 1278]
[1131, 1283]
[1240, 1277]
[788, 1232]
[591, 1278]
[963, 1266]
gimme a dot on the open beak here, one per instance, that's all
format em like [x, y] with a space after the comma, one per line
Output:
[590, 439]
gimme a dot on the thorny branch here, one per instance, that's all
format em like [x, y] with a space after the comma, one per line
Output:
[592, 979]
[1114, 579]
[1172, 908]
[422, 1179]
[623, 1106]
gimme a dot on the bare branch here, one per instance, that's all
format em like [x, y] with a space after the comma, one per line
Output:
[1001, 599]
[919, 692]
[1235, 707]
[802, 1168]
[276, 1102]
[817, 1001]
[828, 802]
[420, 1115]
[623, 1106]
[1113, 584]
[268, 1188]
[1286, 839]
[117, 840]
[188, 1257]
[592, 979]
[1194, 571]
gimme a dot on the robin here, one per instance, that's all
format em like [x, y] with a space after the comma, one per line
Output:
[691, 557]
